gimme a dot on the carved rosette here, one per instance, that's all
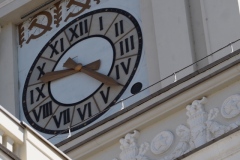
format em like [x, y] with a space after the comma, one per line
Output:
[162, 142]
[231, 106]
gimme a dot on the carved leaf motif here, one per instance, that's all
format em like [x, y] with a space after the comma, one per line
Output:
[130, 149]
[82, 6]
[57, 14]
[21, 34]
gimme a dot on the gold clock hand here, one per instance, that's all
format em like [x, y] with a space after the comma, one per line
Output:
[51, 76]
[70, 63]
[94, 65]
[98, 76]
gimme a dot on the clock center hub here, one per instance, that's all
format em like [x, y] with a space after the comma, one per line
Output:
[78, 67]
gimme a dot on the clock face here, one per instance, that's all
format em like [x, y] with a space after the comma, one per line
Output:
[88, 65]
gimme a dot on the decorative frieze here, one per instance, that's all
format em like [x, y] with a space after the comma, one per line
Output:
[45, 21]
[196, 121]
[201, 128]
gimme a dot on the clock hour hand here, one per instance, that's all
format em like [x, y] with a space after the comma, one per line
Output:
[98, 76]
[51, 76]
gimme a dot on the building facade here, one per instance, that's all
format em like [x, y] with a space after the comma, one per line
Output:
[109, 79]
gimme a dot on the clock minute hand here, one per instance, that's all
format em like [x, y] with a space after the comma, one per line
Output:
[51, 76]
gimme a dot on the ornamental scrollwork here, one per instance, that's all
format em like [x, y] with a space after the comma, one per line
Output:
[130, 149]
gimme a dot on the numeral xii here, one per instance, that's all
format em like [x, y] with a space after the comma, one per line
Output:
[79, 29]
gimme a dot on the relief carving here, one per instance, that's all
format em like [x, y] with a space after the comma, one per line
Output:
[130, 148]
[83, 7]
[44, 21]
[162, 142]
[231, 106]
[21, 34]
[202, 126]
[196, 121]
[184, 145]
[57, 14]
[36, 23]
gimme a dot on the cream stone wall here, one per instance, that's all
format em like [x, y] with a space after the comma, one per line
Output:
[23, 142]
[8, 69]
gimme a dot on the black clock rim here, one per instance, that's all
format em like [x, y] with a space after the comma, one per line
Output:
[90, 120]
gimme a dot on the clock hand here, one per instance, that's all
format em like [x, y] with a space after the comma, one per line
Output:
[98, 76]
[94, 65]
[72, 64]
[50, 76]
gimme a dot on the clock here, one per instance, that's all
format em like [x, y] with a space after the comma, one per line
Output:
[82, 70]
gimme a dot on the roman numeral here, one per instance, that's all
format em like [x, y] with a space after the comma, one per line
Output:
[53, 47]
[64, 116]
[125, 69]
[105, 95]
[41, 70]
[46, 109]
[101, 23]
[83, 29]
[87, 107]
[73, 31]
[119, 28]
[128, 46]
[40, 93]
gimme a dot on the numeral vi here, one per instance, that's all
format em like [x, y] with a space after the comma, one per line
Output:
[87, 108]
